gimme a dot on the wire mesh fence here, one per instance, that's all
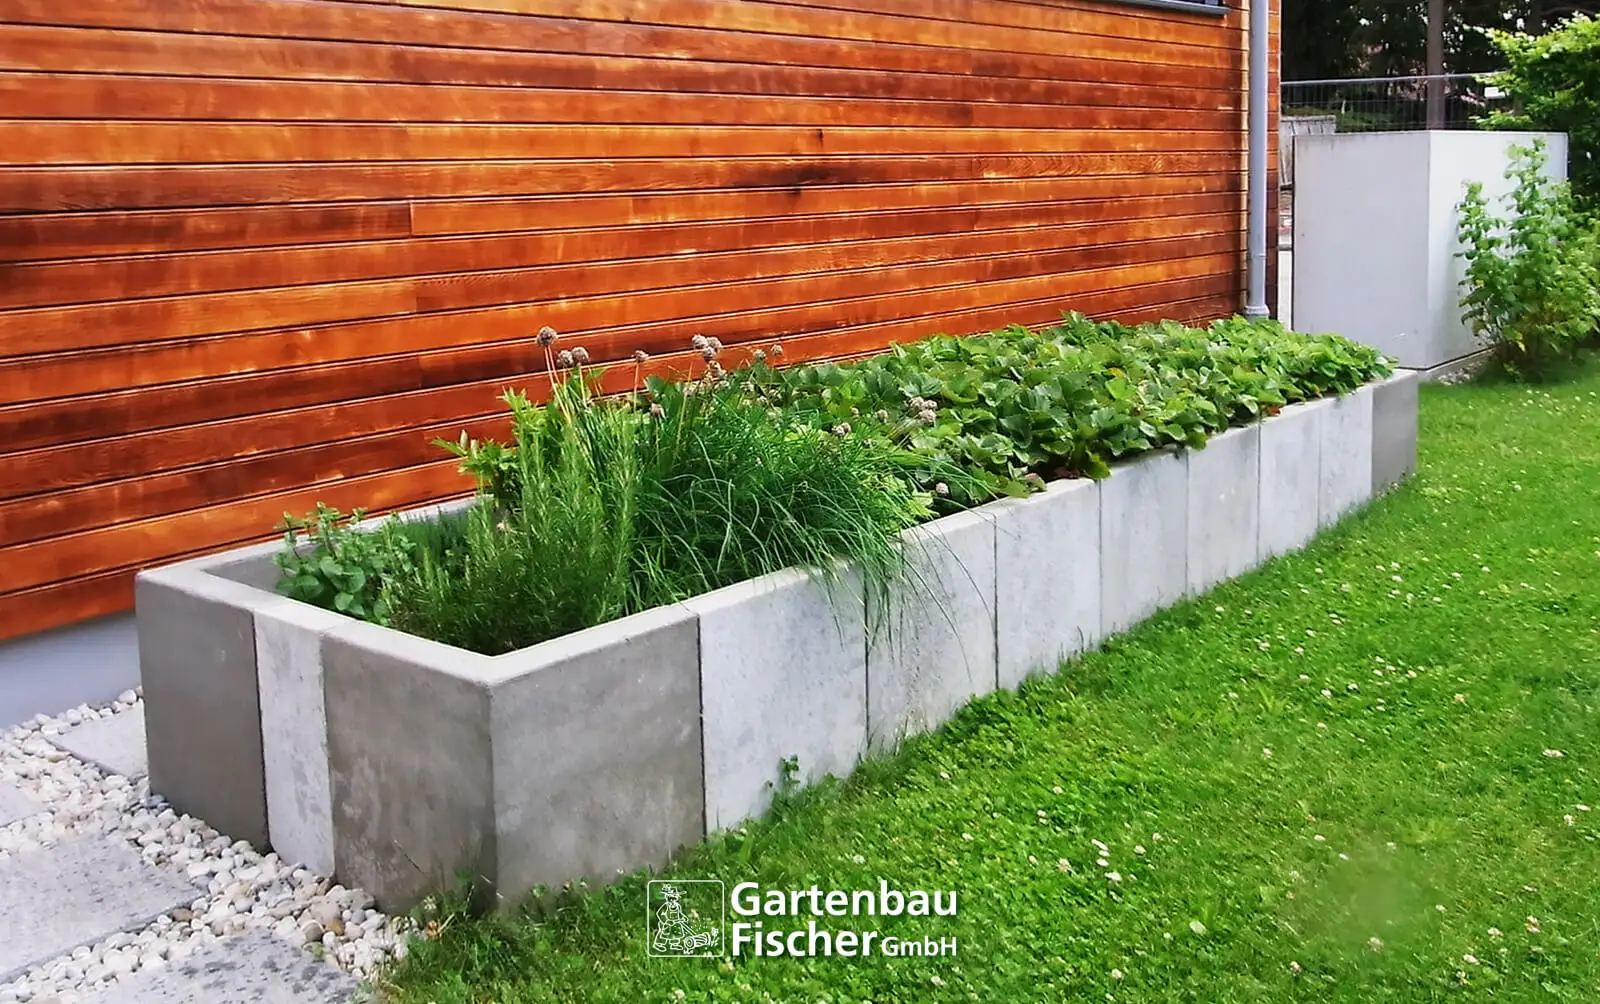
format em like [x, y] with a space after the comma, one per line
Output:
[1375, 104]
[1390, 104]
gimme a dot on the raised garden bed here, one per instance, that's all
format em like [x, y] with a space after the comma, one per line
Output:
[399, 763]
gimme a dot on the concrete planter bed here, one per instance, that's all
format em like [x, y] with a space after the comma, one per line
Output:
[399, 763]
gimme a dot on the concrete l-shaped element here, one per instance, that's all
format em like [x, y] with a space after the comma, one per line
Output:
[401, 765]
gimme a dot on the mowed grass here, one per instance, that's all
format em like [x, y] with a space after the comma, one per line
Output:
[1361, 774]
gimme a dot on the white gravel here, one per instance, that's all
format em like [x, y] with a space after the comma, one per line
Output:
[243, 889]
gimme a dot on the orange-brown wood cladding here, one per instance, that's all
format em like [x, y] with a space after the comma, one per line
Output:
[259, 253]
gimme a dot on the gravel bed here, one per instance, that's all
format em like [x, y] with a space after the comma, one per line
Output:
[237, 888]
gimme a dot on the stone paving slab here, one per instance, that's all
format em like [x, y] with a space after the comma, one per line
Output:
[115, 744]
[76, 893]
[14, 805]
[253, 968]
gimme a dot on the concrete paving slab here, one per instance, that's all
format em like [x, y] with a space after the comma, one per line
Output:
[76, 893]
[14, 805]
[115, 744]
[253, 968]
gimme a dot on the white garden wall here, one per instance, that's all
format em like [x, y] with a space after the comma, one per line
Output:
[1375, 225]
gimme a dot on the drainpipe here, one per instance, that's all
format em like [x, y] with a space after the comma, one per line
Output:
[1255, 304]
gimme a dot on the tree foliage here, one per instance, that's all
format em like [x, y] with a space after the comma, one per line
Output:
[1553, 81]
[1379, 38]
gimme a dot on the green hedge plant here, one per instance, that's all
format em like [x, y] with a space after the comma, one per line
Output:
[1532, 287]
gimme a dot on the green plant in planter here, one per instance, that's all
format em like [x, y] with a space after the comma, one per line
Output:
[1533, 288]
[1019, 406]
[326, 561]
[601, 508]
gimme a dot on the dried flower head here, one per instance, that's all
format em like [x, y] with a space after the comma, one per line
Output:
[760, 355]
[547, 336]
[842, 429]
[941, 489]
[708, 353]
[689, 389]
[700, 342]
[640, 356]
[581, 356]
[883, 415]
[928, 416]
[714, 370]
[564, 358]
[777, 352]
[656, 411]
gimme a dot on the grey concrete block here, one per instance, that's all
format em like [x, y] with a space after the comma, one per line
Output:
[1291, 454]
[252, 968]
[575, 758]
[409, 763]
[783, 673]
[1144, 539]
[15, 805]
[596, 751]
[114, 744]
[1047, 578]
[294, 730]
[197, 661]
[76, 893]
[1345, 477]
[1224, 508]
[934, 649]
[249, 566]
[1394, 429]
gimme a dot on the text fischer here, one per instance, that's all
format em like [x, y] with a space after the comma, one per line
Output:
[753, 937]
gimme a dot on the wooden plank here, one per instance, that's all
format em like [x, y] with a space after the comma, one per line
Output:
[58, 514]
[744, 32]
[70, 601]
[99, 96]
[66, 329]
[80, 50]
[142, 542]
[557, 212]
[801, 274]
[87, 281]
[77, 188]
[32, 142]
[1147, 24]
[82, 235]
[44, 470]
[71, 558]
[576, 303]
[1117, 39]
[39, 237]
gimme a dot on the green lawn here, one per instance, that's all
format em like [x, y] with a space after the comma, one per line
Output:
[1361, 774]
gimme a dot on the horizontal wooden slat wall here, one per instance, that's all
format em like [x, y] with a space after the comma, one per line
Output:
[259, 253]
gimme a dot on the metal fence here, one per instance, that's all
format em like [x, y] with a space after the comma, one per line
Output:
[1374, 104]
[1391, 104]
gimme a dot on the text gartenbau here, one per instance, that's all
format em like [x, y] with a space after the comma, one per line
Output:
[755, 937]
